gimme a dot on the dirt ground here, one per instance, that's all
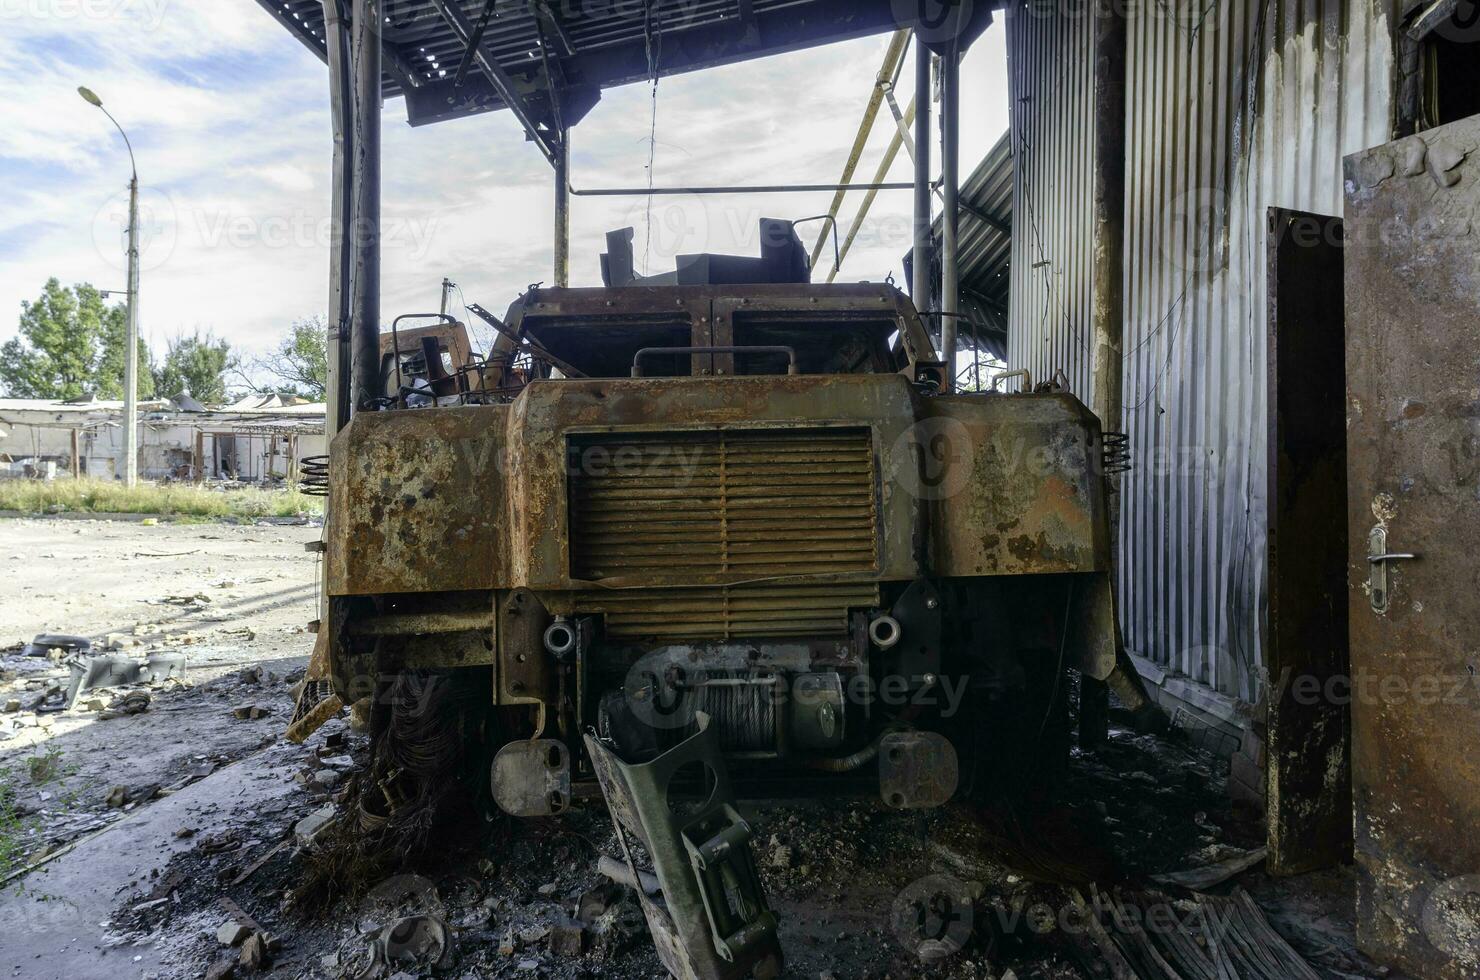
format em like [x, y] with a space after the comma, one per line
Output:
[144, 823]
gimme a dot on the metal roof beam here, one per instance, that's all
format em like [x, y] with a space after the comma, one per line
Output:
[501, 81]
[396, 63]
[768, 32]
[987, 219]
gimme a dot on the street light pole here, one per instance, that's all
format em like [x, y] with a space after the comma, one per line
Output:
[131, 341]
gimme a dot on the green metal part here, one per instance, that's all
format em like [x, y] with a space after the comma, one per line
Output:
[710, 920]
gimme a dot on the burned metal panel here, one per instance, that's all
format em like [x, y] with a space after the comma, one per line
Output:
[1233, 108]
[402, 517]
[1413, 330]
[1309, 738]
[1016, 483]
[708, 315]
[548, 414]
[761, 502]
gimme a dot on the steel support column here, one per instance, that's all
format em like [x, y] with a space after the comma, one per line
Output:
[364, 229]
[950, 175]
[341, 208]
[1108, 312]
[920, 285]
[1108, 327]
[131, 343]
[562, 211]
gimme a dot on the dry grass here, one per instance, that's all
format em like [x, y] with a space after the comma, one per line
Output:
[166, 500]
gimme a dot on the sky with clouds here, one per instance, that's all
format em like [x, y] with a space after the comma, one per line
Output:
[229, 120]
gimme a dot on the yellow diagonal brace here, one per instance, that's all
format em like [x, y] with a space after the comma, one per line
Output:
[889, 157]
[892, 58]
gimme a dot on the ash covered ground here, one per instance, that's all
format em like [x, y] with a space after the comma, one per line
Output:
[171, 835]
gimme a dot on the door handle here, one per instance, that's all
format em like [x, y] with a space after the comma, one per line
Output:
[1378, 557]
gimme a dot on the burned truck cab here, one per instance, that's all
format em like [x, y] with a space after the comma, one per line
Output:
[754, 504]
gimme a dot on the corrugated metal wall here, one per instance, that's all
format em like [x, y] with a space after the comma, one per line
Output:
[1234, 108]
[1050, 64]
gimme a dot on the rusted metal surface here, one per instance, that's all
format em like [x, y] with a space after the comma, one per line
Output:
[422, 623]
[549, 414]
[728, 612]
[593, 327]
[418, 502]
[758, 521]
[525, 675]
[917, 770]
[532, 778]
[1309, 740]
[761, 503]
[1413, 326]
[476, 498]
[1018, 485]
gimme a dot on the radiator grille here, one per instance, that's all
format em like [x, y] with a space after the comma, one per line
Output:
[730, 612]
[681, 507]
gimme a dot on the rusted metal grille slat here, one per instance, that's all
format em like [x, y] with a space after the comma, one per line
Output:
[707, 508]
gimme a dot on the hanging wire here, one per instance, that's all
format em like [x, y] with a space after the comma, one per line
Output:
[654, 45]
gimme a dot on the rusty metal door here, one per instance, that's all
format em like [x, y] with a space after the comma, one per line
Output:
[1309, 777]
[1413, 410]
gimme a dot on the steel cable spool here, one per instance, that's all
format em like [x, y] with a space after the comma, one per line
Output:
[742, 708]
[313, 477]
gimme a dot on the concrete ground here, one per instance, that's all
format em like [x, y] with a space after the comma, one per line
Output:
[153, 829]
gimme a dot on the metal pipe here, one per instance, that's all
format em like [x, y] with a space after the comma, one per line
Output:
[920, 286]
[622, 875]
[1107, 314]
[341, 207]
[364, 236]
[1023, 373]
[562, 211]
[131, 329]
[950, 175]
[1108, 311]
[131, 354]
[735, 189]
[791, 353]
[421, 624]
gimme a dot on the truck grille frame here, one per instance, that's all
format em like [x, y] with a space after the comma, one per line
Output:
[691, 533]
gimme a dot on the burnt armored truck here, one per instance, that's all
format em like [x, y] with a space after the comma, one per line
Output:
[725, 540]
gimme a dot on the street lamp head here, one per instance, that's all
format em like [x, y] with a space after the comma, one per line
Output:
[90, 96]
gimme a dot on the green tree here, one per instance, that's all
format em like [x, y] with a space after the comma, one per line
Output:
[299, 364]
[197, 366]
[110, 367]
[70, 345]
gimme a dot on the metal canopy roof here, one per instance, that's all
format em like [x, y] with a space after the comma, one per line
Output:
[588, 45]
[986, 247]
[985, 256]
